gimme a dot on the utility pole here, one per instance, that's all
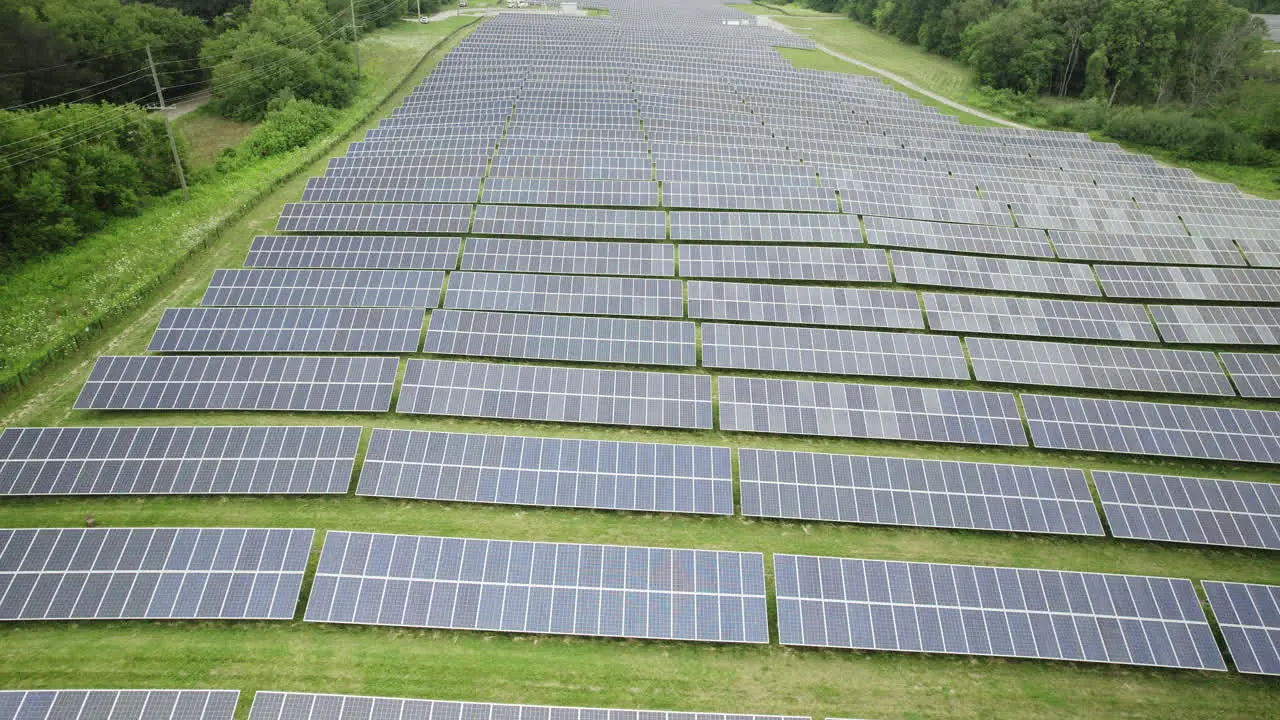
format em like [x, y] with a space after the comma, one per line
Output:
[355, 32]
[419, 9]
[173, 146]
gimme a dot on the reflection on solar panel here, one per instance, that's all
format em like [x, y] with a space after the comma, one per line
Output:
[304, 706]
[374, 217]
[176, 460]
[1249, 616]
[812, 228]
[151, 573]
[325, 288]
[1262, 252]
[500, 585]
[787, 262]
[1256, 374]
[953, 237]
[804, 304]
[613, 193]
[1023, 276]
[1190, 510]
[392, 190]
[552, 472]
[1033, 316]
[1027, 362]
[903, 203]
[887, 412]
[1218, 324]
[567, 294]
[525, 392]
[342, 330]
[841, 352]
[570, 222]
[1123, 426]
[239, 382]
[387, 252]
[118, 704]
[1190, 283]
[562, 337]
[924, 493]
[576, 257]
[997, 611]
[1162, 249]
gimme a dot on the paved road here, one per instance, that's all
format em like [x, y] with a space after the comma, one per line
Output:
[896, 78]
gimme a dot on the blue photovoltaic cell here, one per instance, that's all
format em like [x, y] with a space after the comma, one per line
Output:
[118, 704]
[528, 587]
[1189, 509]
[1249, 616]
[995, 611]
[553, 472]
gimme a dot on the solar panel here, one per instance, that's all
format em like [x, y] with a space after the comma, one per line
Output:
[325, 288]
[1163, 249]
[786, 262]
[1190, 283]
[1038, 317]
[1203, 511]
[1022, 276]
[724, 196]
[347, 189]
[888, 412]
[305, 706]
[811, 228]
[386, 252]
[1217, 324]
[177, 460]
[526, 392]
[239, 382]
[570, 222]
[1261, 252]
[550, 472]
[576, 257]
[562, 337]
[118, 704]
[1159, 429]
[1249, 617]
[922, 493]
[565, 294]
[996, 611]
[613, 193]
[1105, 367]
[286, 330]
[527, 587]
[1256, 374]
[151, 573]
[953, 237]
[374, 218]
[830, 351]
[804, 304]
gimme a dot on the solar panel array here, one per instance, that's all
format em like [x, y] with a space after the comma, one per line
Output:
[288, 330]
[1003, 612]
[386, 252]
[528, 587]
[552, 472]
[177, 460]
[1189, 509]
[239, 382]
[803, 304]
[151, 573]
[569, 294]
[1249, 616]
[118, 704]
[308, 706]
[785, 262]
[924, 493]
[576, 257]
[831, 351]
[326, 288]
[556, 394]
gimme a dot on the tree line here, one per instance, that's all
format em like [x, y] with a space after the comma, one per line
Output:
[77, 144]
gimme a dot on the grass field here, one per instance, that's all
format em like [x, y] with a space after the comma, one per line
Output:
[208, 134]
[576, 671]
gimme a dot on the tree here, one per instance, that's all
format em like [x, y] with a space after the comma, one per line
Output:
[1217, 42]
[1141, 40]
[1014, 48]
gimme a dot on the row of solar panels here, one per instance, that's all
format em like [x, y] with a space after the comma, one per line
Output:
[607, 223]
[773, 348]
[677, 400]
[654, 477]
[623, 591]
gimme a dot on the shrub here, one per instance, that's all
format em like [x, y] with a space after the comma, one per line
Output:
[290, 123]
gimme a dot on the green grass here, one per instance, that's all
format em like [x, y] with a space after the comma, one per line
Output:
[208, 134]
[818, 60]
[50, 306]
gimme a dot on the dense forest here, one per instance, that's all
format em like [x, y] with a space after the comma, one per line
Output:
[77, 142]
